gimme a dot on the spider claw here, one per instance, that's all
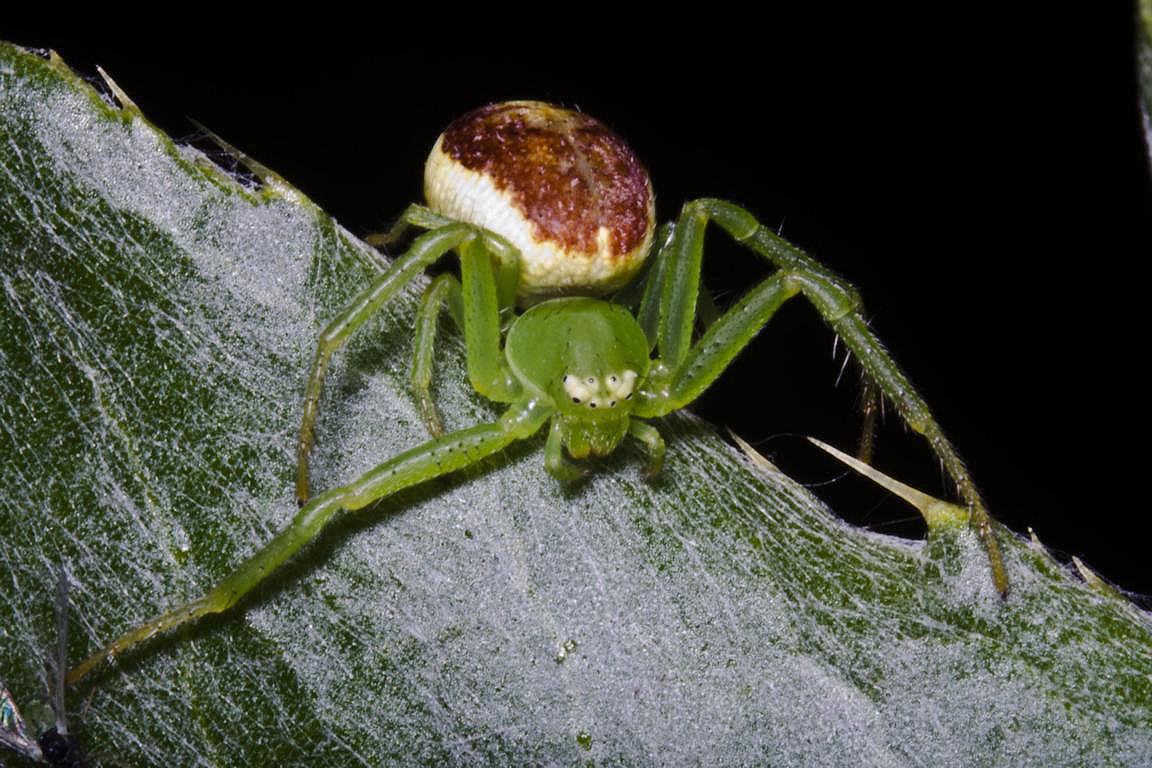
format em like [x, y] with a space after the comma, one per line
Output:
[568, 474]
[576, 474]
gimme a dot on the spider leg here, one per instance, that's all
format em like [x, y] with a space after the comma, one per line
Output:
[707, 313]
[649, 314]
[642, 293]
[420, 216]
[490, 295]
[566, 472]
[490, 284]
[869, 409]
[432, 459]
[686, 370]
[426, 249]
[506, 255]
[442, 289]
[484, 277]
[414, 215]
[650, 436]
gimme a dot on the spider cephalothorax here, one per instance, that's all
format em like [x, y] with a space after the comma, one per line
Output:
[587, 358]
[549, 209]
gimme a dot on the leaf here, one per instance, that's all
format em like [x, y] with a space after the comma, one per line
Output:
[159, 317]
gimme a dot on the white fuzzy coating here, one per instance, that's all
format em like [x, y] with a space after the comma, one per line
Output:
[546, 267]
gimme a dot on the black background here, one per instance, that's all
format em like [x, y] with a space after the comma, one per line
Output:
[982, 178]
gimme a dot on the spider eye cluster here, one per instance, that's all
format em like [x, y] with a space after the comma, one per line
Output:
[600, 392]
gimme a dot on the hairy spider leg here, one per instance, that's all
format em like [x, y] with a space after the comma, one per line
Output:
[869, 408]
[565, 471]
[480, 271]
[425, 250]
[650, 436]
[432, 459]
[442, 455]
[443, 289]
[686, 370]
[648, 314]
[505, 255]
[485, 361]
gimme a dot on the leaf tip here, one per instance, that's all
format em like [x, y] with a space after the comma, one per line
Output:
[936, 512]
[126, 102]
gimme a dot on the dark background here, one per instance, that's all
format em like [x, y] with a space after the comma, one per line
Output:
[981, 178]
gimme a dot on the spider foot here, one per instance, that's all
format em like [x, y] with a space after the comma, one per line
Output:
[568, 474]
[430, 416]
[654, 467]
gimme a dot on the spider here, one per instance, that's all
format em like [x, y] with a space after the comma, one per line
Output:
[550, 212]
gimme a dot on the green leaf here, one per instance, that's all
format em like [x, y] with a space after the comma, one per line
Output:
[158, 320]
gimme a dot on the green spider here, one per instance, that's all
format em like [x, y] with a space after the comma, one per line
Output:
[549, 210]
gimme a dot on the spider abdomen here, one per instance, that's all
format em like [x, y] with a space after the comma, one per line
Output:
[558, 184]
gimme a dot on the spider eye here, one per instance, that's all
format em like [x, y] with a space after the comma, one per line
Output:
[575, 399]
